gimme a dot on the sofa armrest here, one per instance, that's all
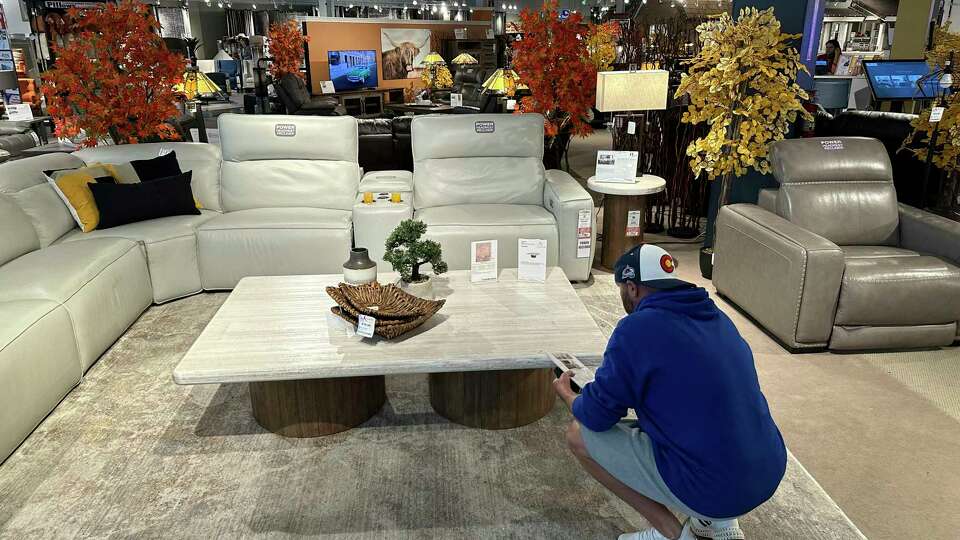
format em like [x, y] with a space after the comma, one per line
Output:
[929, 233]
[784, 276]
[565, 198]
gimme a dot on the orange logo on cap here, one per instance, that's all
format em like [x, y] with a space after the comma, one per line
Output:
[666, 262]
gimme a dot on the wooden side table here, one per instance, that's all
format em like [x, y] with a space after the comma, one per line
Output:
[620, 233]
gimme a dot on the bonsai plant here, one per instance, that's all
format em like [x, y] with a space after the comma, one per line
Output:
[407, 252]
[286, 48]
[115, 80]
[743, 85]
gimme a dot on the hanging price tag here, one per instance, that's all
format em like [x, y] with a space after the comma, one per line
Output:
[365, 325]
[583, 224]
[631, 128]
[936, 114]
[633, 222]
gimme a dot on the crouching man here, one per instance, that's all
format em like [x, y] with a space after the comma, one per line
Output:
[704, 443]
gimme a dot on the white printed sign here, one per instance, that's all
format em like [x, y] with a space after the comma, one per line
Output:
[634, 218]
[456, 100]
[583, 248]
[832, 144]
[327, 87]
[936, 114]
[19, 112]
[483, 261]
[532, 260]
[584, 232]
[617, 166]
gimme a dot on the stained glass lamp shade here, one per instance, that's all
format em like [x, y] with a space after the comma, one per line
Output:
[464, 59]
[196, 84]
[504, 81]
[434, 58]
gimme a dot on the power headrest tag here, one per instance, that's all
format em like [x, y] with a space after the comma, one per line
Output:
[285, 130]
[484, 126]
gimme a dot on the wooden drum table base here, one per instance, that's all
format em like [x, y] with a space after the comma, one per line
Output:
[493, 399]
[316, 407]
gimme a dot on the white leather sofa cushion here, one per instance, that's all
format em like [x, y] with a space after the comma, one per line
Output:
[274, 161]
[477, 159]
[272, 242]
[103, 282]
[201, 158]
[17, 235]
[39, 364]
[170, 246]
[455, 227]
[23, 180]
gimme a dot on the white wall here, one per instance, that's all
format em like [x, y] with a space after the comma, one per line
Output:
[15, 22]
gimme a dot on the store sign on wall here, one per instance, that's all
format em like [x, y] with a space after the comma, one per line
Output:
[66, 4]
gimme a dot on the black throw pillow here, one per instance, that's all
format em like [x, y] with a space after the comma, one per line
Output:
[120, 204]
[159, 167]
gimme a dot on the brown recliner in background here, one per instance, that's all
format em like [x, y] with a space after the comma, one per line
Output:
[832, 260]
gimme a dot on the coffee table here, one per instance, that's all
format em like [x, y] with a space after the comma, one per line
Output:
[309, 375]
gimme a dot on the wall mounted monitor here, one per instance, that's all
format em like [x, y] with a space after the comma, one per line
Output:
[353, 70]
[897, 80]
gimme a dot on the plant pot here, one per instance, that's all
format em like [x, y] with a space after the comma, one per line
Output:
[420, 289]
[359, 269]
[706, 262]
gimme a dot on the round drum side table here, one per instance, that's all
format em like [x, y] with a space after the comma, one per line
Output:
[620, 199]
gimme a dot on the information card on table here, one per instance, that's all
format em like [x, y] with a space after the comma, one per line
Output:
[483, 261]
[618, 167]
[532, 260]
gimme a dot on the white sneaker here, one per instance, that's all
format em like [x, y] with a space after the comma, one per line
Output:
[721, 529]
[653, 534]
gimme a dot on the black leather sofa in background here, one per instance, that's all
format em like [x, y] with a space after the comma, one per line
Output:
[385, 144]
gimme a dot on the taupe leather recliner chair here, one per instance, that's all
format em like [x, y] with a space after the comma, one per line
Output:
[831, 260]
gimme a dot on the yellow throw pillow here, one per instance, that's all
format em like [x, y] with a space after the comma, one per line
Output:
[71, 186]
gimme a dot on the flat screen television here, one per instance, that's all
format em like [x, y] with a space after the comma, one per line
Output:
[896, 80]
[352, 70]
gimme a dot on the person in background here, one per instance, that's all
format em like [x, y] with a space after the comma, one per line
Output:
[704, 443]
[832, 56]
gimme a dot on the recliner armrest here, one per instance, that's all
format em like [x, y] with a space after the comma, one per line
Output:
[784, 276]
[929, 233]
[565, 198]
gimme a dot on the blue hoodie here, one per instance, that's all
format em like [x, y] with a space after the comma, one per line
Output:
[681, 364]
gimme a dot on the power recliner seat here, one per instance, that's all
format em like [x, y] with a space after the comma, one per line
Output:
[832, 260]
[481, 177]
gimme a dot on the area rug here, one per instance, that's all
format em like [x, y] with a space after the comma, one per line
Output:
[130, 454]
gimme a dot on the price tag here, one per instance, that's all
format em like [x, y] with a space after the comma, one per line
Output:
[365, 325]
[631, 128]
[583, 224]
[583, 248]
[511, 104]
[633, 222]
[936, 114]
[456, 100]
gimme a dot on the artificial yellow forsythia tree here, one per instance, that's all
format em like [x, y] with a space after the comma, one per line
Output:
[946, 152]
[743, 84]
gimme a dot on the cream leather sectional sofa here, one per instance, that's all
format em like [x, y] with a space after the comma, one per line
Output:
[279, 198]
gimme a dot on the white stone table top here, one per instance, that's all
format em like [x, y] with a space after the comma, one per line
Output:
[281, 328]
[648, 184]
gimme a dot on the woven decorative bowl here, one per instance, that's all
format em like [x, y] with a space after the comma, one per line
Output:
[396, 311]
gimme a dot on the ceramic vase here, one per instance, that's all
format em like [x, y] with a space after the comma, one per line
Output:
[359, 269]
[422, 289]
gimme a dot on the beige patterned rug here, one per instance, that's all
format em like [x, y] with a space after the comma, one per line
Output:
[129, 454]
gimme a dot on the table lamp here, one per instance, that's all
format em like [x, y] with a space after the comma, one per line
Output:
[463, 59]
[504, 81]
[623, 91]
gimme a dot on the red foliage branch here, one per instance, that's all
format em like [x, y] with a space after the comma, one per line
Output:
[116, 78]
[286, 47]
[555, 64]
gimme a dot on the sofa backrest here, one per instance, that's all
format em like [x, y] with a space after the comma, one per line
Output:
[477, 159]
[17, 235]
[288, 161]
[201, 158]
[25, 184]
[839, 188]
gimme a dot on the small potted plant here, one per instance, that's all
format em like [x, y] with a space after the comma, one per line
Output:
[407, 252]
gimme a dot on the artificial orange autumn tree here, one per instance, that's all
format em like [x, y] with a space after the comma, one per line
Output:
[286, 48]
[556, 65]
[115, 79]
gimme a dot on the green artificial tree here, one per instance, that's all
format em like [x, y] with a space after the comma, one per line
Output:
[407, 252]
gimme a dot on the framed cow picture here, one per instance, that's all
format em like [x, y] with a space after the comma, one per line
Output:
[402, 51]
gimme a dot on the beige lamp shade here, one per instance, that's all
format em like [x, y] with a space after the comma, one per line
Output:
[464, 59]
[644, 90]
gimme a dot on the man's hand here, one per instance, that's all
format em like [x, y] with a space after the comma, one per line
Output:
[562, 387]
